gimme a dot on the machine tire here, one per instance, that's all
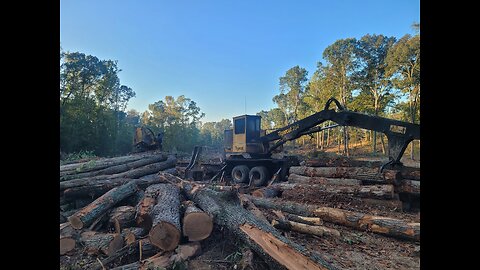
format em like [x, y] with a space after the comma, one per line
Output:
[259, 176]
[240, 174]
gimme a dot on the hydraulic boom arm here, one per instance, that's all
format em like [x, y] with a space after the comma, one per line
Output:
[399, 133]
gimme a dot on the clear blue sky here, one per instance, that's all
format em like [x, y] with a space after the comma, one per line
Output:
[220, 52]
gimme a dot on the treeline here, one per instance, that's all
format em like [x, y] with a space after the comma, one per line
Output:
[375, 74]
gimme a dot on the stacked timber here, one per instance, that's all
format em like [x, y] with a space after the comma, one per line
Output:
[126, 208]
[359, 179]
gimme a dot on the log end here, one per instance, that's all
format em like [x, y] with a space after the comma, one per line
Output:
[76, 222]
[197, 226]
[165, 236]
[115, 244]
[66, 244]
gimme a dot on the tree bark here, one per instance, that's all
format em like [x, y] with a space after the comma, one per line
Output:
[314, 221]
[409, 186]
[361, 173]
[166, 229]
[125, 215]
[132, 234]
[144, 207]
[99, 164]
[106, 243]
[116, 169]
[342, 162]
[132, 249]
[377, 224]
[304, 228]
[372, 191]
[101, 187]
[278, 251]
[135, 173]
[197, 225]
[267, 192]
[88, 214]
[301, 179]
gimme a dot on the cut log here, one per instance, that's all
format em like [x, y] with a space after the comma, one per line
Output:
[409, 186]
[99, 164]
[125, 215]
[106, 243]
[373, 191]
[304, 228]
[88, 214]
[132, 234]
[117, 169]
[166, 230]
[361, 173]
[97, 190]
[342, 162]
[377, 224]
[68, 238]
[197, 225]
[267, 192]
[276, 250]
[315, 221]
[133, 249]
[295, 178]
[135, 173]
[135, 199]
[145, 206]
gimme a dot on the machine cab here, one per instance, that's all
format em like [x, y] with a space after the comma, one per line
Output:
[244, 138]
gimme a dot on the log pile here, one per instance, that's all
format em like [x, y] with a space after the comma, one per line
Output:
[135, 207]
[120, 207]
[395, 189]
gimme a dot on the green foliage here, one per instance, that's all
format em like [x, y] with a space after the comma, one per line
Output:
[92, 104]
[292, 88]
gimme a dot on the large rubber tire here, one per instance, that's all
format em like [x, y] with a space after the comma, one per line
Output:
[240, 174]
[259, 175]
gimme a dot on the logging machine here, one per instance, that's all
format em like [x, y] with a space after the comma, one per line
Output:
[248, 149]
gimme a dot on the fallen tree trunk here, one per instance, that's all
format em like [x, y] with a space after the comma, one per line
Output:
[197, 225]
[278, 251]
[145, 206]
[116, 169]
[132, 234]
[315, 221]
[267, 192]
[101, 187]
[106, 243]
[166, 230]
[304, 228]
[88, 214]
[99, 164]
[409, 186]
[295, 178]
[342, 162]
[377, 224]
[373, 191]
[125, 215]
[135, 173]
[361, 173]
